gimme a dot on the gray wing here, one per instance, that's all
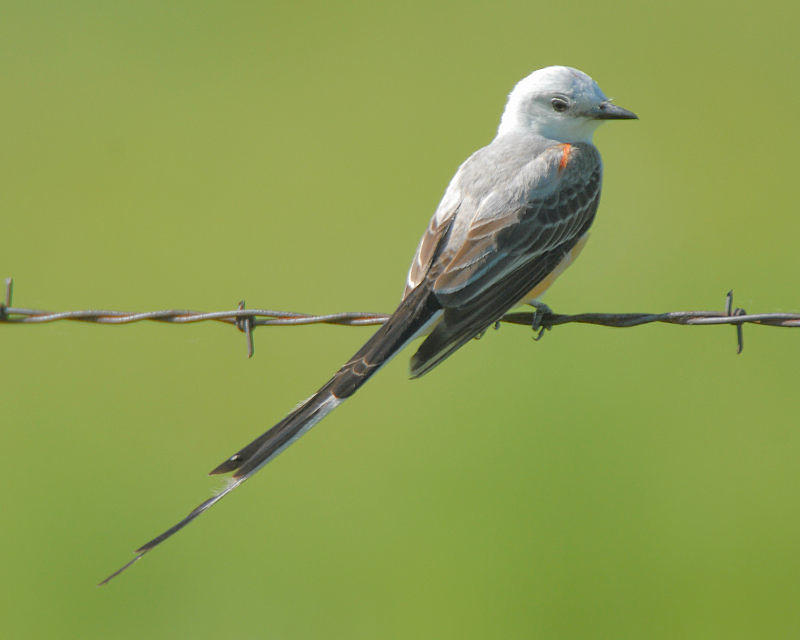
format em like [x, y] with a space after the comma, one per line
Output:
[435, 236]
[513, 240]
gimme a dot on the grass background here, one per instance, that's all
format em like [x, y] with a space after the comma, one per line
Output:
[599, 484]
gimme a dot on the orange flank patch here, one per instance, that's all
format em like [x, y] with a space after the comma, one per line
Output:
[566, 150]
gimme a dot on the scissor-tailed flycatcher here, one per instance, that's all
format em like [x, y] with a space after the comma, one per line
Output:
[514, 216]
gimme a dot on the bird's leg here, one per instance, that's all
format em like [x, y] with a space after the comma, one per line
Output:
[542, 310]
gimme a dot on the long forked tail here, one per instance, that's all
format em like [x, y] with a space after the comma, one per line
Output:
[414, 314]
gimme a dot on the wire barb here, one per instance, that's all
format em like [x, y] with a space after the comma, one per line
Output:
[245, 324]
[738, 311]
[4, 307]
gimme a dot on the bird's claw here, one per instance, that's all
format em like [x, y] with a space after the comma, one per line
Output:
[537, 324]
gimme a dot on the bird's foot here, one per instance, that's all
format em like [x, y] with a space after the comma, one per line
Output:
[539, 324]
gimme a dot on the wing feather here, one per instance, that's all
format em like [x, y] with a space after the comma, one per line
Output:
[504, 256]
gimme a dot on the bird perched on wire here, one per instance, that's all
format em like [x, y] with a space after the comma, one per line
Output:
[514, 216]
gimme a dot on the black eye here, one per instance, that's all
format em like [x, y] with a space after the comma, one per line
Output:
[559, 104]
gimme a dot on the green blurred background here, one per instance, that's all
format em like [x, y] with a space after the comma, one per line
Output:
[603, 483]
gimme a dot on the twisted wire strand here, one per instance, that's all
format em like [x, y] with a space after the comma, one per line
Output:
[247, 319]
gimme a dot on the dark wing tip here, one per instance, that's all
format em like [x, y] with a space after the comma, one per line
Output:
[439, 345]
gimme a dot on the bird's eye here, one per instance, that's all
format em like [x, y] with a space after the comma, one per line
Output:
[559, 104]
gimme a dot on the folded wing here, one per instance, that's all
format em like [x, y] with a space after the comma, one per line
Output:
[509, 249]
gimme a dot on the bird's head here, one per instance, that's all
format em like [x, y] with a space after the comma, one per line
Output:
[560, 103]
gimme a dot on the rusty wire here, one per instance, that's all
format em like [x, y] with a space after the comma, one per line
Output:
[247, 319]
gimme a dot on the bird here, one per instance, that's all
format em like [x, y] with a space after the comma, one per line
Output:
[516, 213]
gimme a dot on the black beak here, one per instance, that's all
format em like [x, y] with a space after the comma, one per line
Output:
[608, 111]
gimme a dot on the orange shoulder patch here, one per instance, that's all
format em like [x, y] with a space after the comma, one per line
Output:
[566, 150]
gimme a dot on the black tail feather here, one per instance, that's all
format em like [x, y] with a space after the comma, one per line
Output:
[414, 313]
[199, 509]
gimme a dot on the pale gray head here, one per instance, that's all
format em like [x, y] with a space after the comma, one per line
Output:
[560, 103]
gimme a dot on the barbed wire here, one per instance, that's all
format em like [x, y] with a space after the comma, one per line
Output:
[247, 319]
